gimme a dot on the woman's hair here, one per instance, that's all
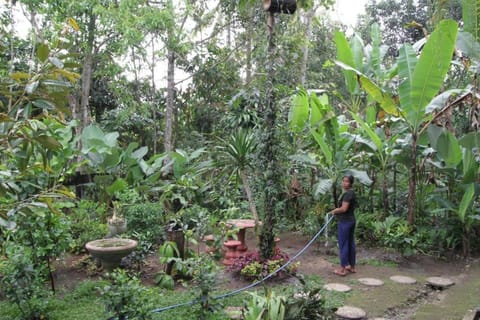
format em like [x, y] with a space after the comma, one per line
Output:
[350, 178]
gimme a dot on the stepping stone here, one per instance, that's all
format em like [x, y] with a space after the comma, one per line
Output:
[472, 314]
[371, 282]
[440, 282]
[234, 312]
[339, 287]
[347, 312]
[403, 279]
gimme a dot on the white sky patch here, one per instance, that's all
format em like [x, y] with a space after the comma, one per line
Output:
[347, 11]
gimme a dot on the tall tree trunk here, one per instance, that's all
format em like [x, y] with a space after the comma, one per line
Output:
[154, 100]
[34, 41]
[87, 73]
[86, 83]
[269, 153]
[395, 187]
[251, 201]
[135, 67]
[371, 189]
[248, 71]
[169, 114]
[229, 31]
[305, 50]
[412, 185]
[79, 101]
[335, 193]
[385, 193]
[466, 241]
[11, 62]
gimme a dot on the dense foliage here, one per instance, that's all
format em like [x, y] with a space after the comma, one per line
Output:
[272, 111]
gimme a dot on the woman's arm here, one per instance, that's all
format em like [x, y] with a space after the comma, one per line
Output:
[342, 209]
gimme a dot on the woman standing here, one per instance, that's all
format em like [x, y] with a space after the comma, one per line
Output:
[346, 227]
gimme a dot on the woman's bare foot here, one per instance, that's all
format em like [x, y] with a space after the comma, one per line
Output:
[350, 269]
[340, 272]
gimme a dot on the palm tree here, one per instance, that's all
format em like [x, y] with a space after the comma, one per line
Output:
[235, 153]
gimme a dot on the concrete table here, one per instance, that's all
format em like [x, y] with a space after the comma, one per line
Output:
[242, 225]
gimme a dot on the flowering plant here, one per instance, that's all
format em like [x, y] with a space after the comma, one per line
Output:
[252, 266]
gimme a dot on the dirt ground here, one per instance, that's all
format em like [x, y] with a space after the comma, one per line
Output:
[390, 301]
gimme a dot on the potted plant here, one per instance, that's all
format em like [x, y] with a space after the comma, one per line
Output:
[117, 224]
[182, 221]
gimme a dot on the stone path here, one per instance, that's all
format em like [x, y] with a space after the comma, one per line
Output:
[439, 282]
[371, 282]
[353, 312]
[392, 300]
[339, 287]
[403, 279]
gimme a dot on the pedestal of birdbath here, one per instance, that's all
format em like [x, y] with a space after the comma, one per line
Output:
[110, 251]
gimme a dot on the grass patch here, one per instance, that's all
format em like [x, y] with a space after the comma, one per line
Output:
[367, 262]
[8, 311]
[334, 260]
[457, 300]
[377, 300]
[79, 309]
[378, 263]
[85, 302]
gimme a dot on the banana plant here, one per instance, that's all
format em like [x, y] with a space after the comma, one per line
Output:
[317, 116]
[382, 148]
[421, 79]
[366, 58]
[471, 17]
[457, 159]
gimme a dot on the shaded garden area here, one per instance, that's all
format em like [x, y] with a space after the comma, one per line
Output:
[279, 102]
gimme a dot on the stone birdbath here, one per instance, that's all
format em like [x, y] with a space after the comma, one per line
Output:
[111, 251]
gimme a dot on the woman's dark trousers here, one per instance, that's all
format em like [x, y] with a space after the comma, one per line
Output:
[346, 243]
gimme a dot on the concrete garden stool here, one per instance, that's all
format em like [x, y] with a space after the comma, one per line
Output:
[209, 246]
[230, 251]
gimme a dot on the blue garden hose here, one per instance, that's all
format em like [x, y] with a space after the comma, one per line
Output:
[328, 219]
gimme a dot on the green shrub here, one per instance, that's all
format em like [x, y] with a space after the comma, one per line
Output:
[204, 277]
[137, 257]
[394, 232]
[365, 226]
[270, 306]
[46, 231]
[86, 290]
[309, 301]
[312, 223]
[23, 283]
[252, 266]
[126, 298]
[87, 222]
[147, 218]
[306, 305]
